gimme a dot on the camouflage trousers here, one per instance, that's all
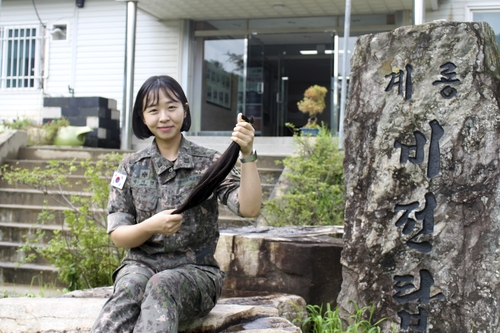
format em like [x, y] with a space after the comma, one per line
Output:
[145, 301]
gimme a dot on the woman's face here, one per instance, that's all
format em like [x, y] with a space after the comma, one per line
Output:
[164, 118]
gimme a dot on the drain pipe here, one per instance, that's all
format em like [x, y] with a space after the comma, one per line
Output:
[345, 71]
[128, 89]
[418, 12]
[334, 117]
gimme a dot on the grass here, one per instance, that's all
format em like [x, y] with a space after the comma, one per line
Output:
[329, 321]
[37, 288]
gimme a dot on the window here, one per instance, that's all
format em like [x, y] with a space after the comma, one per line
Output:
[19, 63]
[487, 12]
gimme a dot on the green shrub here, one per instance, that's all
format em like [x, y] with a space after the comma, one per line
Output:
[314, 190]
[80, 249]
[20, 124]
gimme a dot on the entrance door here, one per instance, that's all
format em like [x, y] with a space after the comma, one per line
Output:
[264, 75]
[280, 68]
[257, 92]
[222, 78]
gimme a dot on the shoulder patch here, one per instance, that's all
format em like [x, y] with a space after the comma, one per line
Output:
[118, 180]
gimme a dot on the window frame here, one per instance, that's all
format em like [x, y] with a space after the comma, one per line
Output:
[36, 76]
[485, 6]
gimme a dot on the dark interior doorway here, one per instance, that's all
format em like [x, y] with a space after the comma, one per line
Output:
[287, 64]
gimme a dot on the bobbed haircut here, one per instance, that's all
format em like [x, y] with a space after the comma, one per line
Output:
[149, 94]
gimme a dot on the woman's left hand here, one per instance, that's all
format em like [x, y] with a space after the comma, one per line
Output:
[243, 134]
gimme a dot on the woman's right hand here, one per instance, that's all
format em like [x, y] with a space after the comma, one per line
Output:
[129, 236]
[166, 223]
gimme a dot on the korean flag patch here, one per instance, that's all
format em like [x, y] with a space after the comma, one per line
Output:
[118, 180]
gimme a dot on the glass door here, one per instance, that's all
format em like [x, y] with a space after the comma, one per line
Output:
[223, 83]
[256, 87]
[292, 62]
[265, 76]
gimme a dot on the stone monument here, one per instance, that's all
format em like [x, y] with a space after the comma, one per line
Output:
[422, 174]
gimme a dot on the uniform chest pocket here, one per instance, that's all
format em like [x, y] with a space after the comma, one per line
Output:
[145, 198]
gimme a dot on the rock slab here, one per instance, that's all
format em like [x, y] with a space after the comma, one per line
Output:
[302, 261]
[77, 311]
[422, 142]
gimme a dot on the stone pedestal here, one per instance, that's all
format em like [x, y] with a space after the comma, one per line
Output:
[303, 261]
[422, 140]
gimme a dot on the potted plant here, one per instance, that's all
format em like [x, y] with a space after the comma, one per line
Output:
[313, 104]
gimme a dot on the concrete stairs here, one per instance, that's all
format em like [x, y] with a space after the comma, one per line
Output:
[20, 206]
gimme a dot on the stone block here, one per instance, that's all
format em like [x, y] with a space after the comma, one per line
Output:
[76, 120]
[421, 168]
[51, 112]
[56, 101]
[304, 261]
[96, 111]
[112, 104]
[70, 111]
[115, 115]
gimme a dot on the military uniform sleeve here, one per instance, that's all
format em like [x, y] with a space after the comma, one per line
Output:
[227, 191]
[121, 210]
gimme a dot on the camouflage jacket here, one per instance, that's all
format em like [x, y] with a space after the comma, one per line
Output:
[153, 184]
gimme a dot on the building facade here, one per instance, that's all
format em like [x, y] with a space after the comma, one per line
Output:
[230, 56]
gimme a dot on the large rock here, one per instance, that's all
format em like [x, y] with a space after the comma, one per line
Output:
[422, 173]
[302, 261]
[77, 311]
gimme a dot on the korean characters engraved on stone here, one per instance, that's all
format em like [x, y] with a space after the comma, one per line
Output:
[403, 286]
[417, 150]
[398, 78]
[447, 78]
[406, 291]
[426, 215]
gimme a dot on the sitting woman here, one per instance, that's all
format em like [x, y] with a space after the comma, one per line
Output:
[170, 273]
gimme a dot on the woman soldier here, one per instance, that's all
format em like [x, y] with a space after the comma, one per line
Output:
[169, 273]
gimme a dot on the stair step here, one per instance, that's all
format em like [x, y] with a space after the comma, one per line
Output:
[10, 252]
[21, 205]
[42, 165]
[29, 213]
[37, 197]
[82, 153]
[271, 170]
[28, 274]
[17, 231]
[65, 153]
[77, 183]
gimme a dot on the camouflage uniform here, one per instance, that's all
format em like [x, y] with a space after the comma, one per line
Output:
[168, 278]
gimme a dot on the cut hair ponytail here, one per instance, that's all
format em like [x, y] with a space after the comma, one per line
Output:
[214, 175]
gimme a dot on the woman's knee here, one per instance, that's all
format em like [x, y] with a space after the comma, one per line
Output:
[132, 282]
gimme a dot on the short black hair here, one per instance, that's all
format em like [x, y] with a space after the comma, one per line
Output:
[151, 90]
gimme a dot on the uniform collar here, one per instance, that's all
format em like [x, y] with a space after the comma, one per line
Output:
[184, 158]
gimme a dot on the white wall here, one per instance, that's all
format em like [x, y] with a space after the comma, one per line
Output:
[22, 103]
[451, 10]
[91, 60]
[458, 10]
